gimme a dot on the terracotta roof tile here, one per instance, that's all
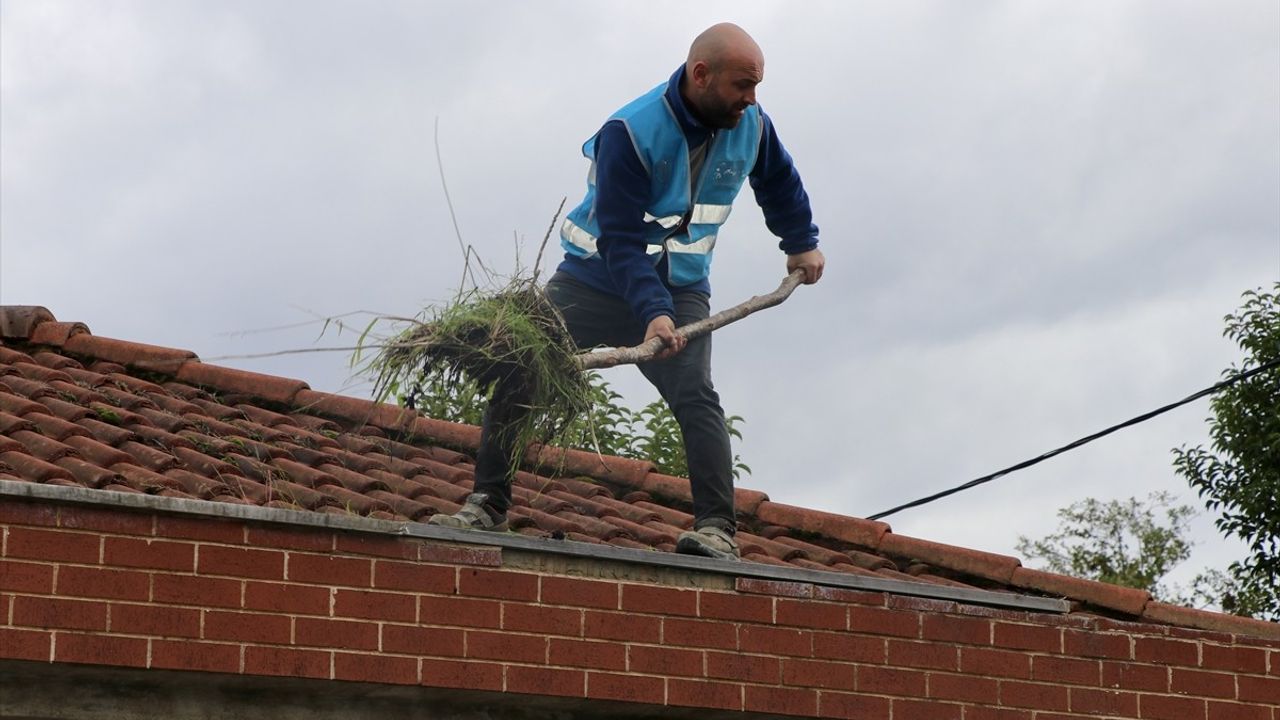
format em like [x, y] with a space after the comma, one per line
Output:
[261, 451]
[29, 389]
[548, 521]
[162, 439]
[445, 456]
[396, 465]
[40, 373]
[213, 427]
[33, 468]
[420, 485]
[405, 507]
[305, 438]
[593, 506]
[108, 413]
[648, 534]
[80, 410]
[315, 424]
[54, 427]
[56, 333]
[627, 510]
[143, 479]
[304, 474]
[254, 469]
[355, 502]
[198, 485]
[1105, 595]
[403, 451]
[149, 457]
[814, 552]
[40, 446]
[104, 432]
[671, 516]
[263, 416]
[208, 444]
[20, 321]
[138, 355]
[864, 533]
[87, 473]
[990, 566]
[121, 398]
[355, 481]
[12, 423]
[542, 501]
[251, 490]
[96, 452]
[132, 384]
[298, 495]
[9, 356]
[164, 420]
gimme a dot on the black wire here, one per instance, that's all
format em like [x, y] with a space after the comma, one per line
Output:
[1082, 441]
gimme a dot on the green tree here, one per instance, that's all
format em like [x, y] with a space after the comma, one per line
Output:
[1239, 476]
[610, 427]
[1124, 542]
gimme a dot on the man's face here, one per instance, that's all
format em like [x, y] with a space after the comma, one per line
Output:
[727, 92]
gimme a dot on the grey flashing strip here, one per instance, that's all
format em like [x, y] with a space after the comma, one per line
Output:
[87, 496]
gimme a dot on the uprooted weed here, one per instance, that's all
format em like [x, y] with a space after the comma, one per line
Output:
[512, 343]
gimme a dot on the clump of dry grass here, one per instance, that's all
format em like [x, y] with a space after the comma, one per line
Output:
[512, 343]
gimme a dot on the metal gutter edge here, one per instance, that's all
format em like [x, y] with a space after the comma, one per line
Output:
[87, 496]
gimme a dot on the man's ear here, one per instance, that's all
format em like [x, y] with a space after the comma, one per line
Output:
[700, 73]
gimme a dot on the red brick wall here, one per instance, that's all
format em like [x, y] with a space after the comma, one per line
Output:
[87, 585]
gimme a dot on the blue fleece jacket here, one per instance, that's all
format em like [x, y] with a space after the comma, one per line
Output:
[622, 188]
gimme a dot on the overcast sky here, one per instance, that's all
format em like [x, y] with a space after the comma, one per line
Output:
[1035, 214]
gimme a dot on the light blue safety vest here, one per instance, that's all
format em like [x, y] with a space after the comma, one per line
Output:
[663, 150]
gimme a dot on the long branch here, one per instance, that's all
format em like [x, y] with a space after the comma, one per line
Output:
[646, 351]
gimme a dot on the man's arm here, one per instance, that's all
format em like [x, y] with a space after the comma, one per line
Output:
[622, 191]
[782, 197]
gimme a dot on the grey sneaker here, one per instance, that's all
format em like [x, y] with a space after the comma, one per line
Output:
[472, 516]
[709, 541]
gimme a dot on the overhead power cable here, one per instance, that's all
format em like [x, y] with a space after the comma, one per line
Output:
[1082, 441]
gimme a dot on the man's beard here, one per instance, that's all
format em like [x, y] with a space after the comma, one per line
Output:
[719, 114]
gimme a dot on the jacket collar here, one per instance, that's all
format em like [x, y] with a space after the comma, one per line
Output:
[694, 131]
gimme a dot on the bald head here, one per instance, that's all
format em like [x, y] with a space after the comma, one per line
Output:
[721, 75]
[724, 43]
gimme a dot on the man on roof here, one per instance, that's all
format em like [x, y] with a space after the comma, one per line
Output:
[665, 170]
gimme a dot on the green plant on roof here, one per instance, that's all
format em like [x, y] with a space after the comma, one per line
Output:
[106, 414]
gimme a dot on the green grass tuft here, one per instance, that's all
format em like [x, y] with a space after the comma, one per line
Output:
[512, 343]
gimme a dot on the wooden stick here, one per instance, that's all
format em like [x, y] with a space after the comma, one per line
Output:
[646, 351]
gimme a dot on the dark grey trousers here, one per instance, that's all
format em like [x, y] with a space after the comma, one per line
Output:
[684, 381]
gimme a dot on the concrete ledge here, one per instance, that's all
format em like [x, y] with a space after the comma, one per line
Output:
[254, 513]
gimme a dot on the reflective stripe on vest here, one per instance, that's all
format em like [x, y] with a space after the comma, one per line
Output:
[578, 237]
[698, 247]
[709, 214]
[667, 222]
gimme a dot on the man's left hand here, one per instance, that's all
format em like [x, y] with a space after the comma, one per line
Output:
[811, 262]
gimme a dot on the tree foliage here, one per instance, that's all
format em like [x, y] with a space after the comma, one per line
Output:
[1238, 477]
[608, 427]
[1124, 542]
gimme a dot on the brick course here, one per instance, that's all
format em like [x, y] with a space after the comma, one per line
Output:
[139, 590]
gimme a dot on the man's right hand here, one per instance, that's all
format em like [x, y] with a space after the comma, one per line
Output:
[664, 327]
